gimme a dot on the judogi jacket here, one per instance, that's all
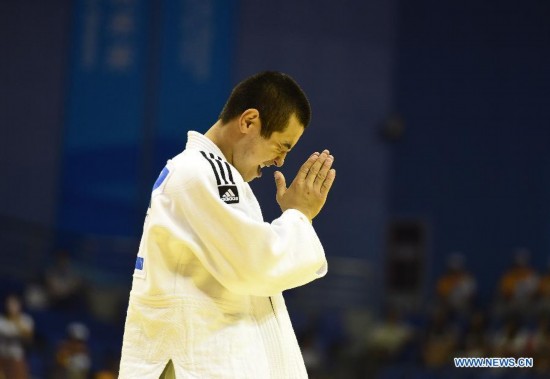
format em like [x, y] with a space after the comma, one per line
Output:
[207, 286]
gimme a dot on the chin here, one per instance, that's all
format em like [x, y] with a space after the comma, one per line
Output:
[247, 178]
[251, 175]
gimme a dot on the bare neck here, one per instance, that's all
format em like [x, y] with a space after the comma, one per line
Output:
[224, 137]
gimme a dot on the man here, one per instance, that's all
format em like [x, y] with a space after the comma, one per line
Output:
[206, 297]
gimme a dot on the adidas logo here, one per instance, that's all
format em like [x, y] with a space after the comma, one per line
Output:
[229, 194]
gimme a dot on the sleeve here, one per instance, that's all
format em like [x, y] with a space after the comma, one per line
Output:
[245, 255]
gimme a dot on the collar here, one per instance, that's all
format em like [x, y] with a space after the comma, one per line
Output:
[197, 141]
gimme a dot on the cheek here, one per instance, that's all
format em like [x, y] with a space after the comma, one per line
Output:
[248, 160]
[253, 156]
[257, 152]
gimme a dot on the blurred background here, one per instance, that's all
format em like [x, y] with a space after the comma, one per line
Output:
[437, 229]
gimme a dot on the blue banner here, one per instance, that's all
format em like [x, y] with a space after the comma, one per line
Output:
[103, 131]
[142, 73]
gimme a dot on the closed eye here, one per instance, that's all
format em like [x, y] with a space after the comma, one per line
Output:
[285, 148]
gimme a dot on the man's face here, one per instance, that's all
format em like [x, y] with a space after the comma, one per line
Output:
[257, 152]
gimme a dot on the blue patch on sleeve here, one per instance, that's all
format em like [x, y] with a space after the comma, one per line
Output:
[160, 179]
[139, 263]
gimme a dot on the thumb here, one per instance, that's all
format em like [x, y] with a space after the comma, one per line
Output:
[280, 182]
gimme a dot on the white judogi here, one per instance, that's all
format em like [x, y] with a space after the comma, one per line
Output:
[207, 286]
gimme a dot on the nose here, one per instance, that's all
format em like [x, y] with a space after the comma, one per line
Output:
[280, 160]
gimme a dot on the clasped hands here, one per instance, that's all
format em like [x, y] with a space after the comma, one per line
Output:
[309, 190]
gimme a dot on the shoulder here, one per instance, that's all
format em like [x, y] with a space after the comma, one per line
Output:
[218, 168]
[195, 166]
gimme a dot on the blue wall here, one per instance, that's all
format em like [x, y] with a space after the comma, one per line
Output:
[342, 55]
[470, 79]
[473, 85]
[33, 51]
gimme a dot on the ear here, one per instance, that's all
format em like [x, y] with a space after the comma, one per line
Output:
[249, 120]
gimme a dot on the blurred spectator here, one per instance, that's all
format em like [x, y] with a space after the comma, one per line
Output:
[16, 331]
[544, 292]
[390, 336]
[312, 355]
[456, 287]
[475, 341]
[110, 371]
[36, 296]
[540, 345]
[72, 356]
[518, 286]
[440, 341]
[105, 374]
[63, 282]
[511, 340]
[385, 342]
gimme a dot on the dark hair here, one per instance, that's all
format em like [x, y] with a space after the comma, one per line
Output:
[275, 95]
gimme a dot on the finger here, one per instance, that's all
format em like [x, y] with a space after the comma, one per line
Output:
[323, 172]
[280, 182]
[327, 184]
[302, 173]
[314, 170]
